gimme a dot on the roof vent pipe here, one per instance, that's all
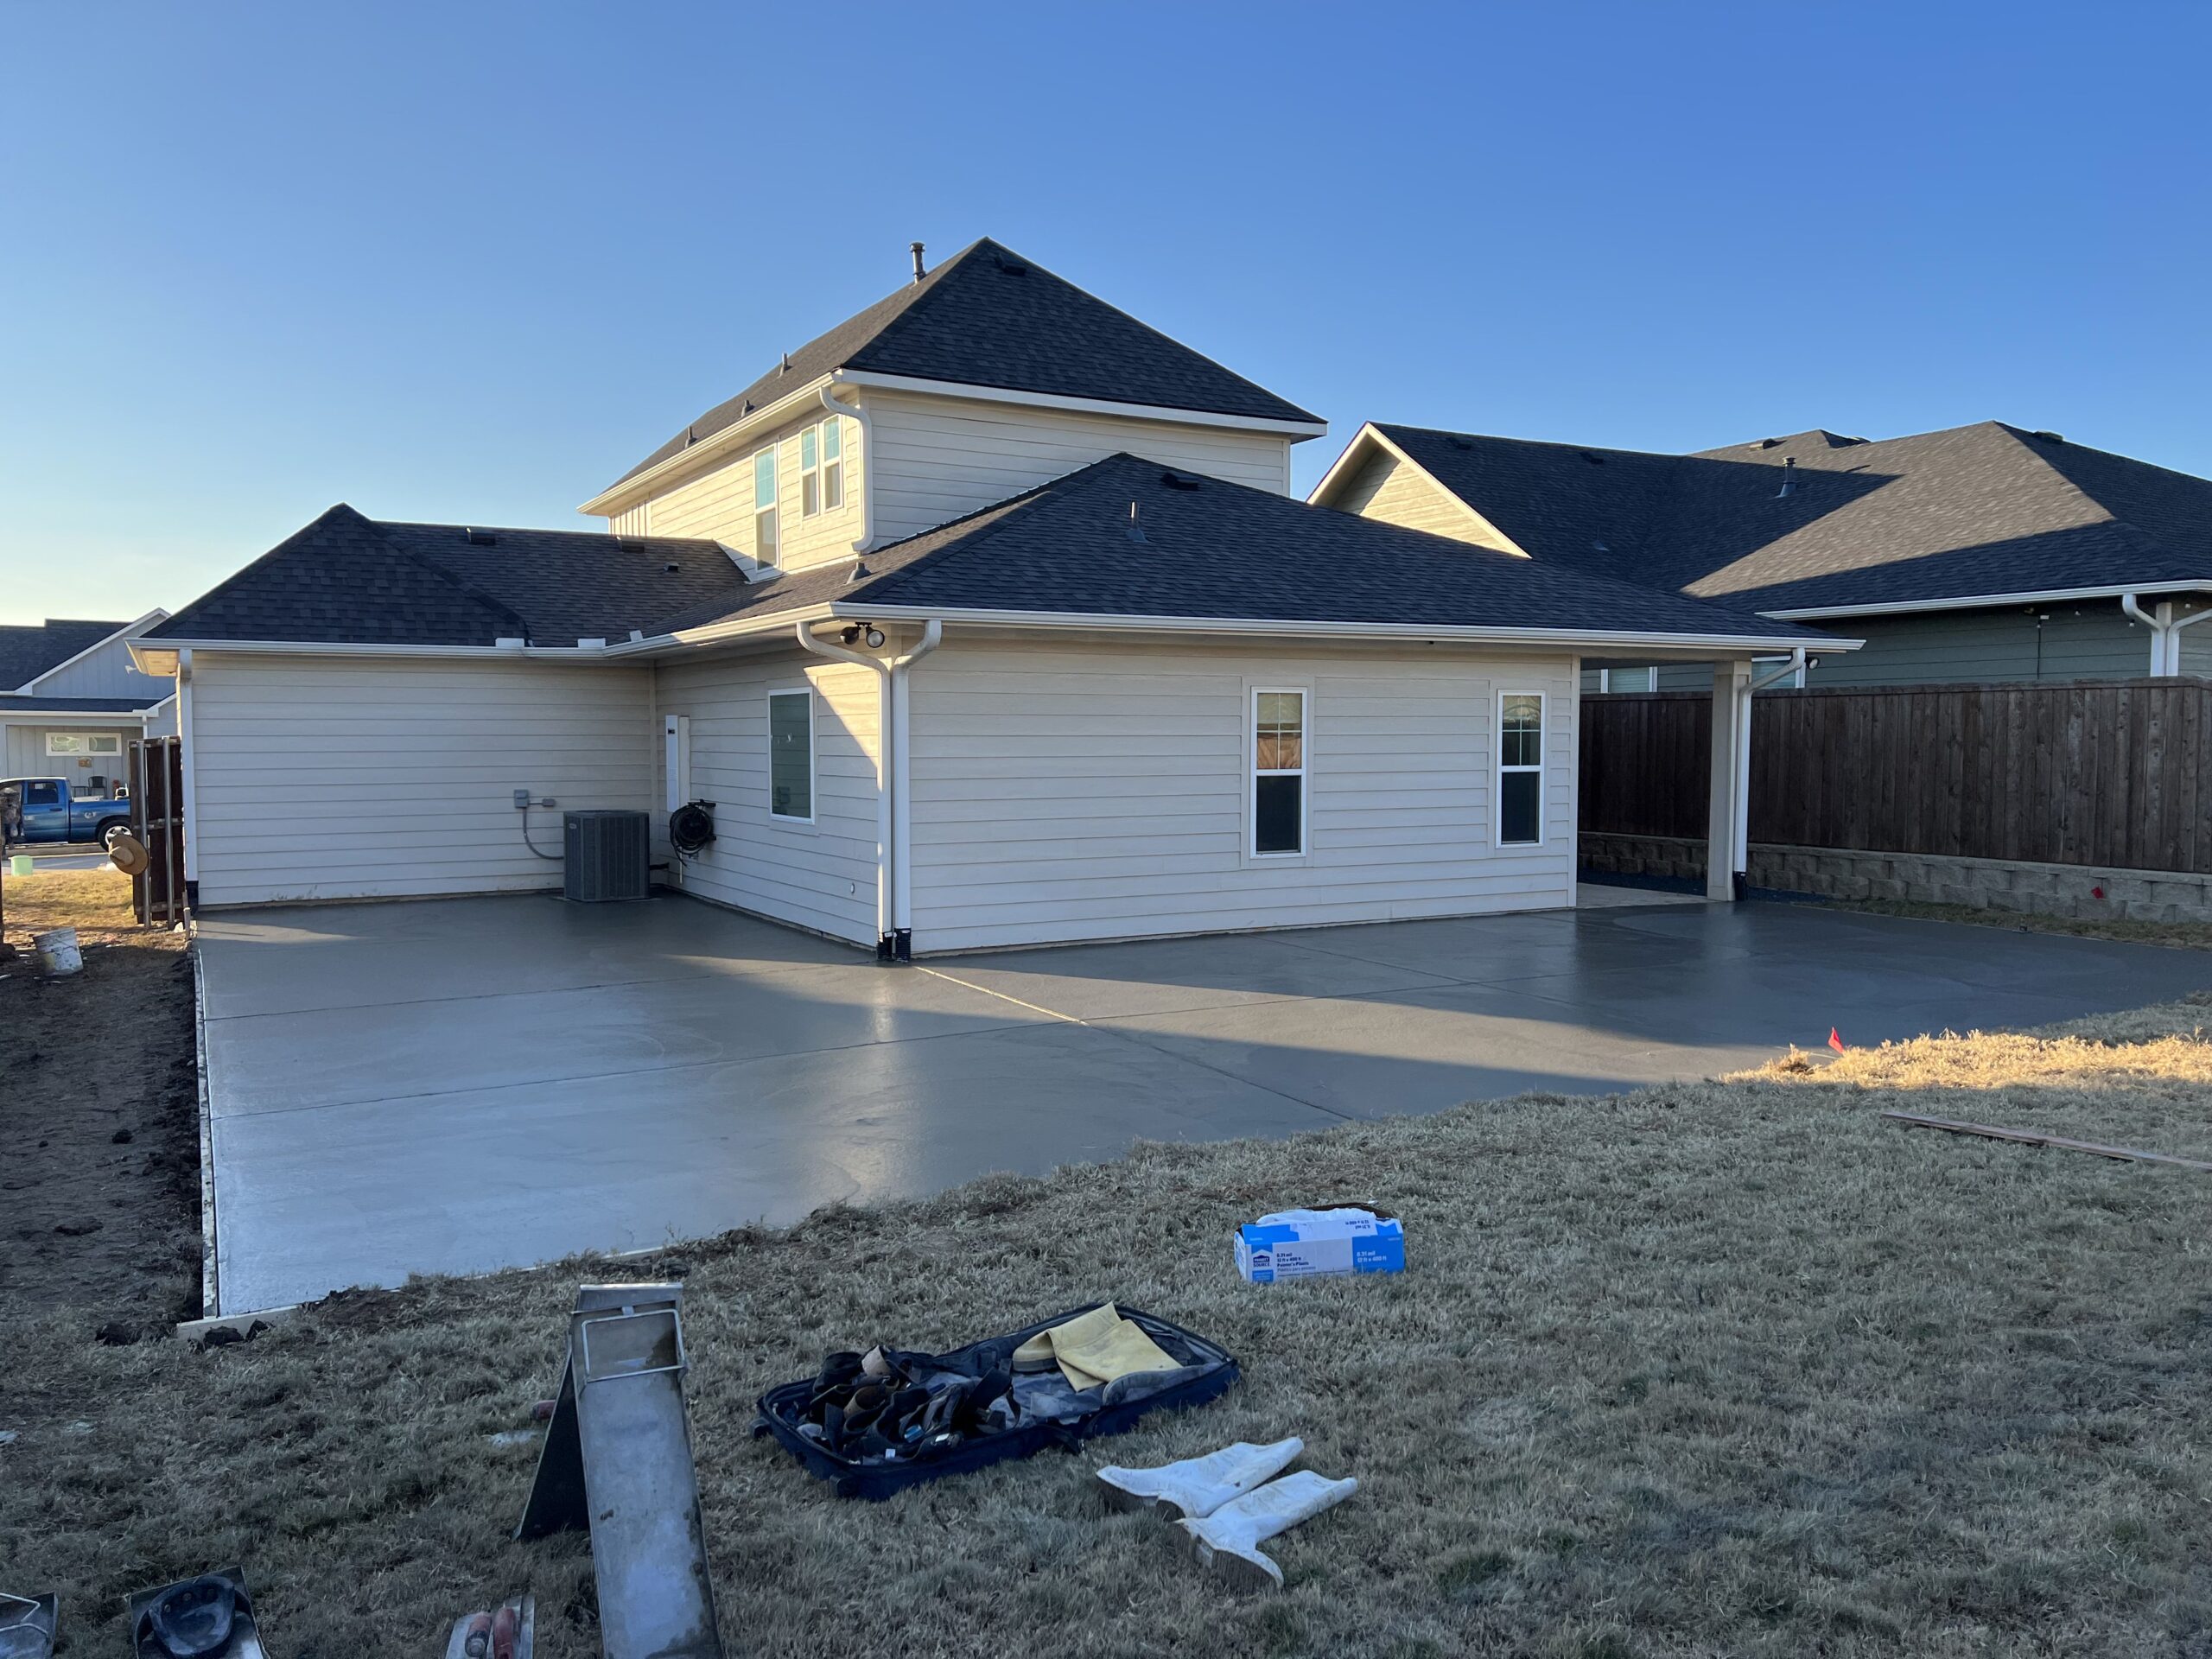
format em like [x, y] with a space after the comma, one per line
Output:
[915, 248]
[1789, 477]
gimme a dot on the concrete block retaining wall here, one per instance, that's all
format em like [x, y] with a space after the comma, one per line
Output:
[1926, 878]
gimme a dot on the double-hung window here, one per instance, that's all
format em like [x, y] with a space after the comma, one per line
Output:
[1278, 773]
[822, 468]
[791, 755]
[765, 538]
[1520, 768]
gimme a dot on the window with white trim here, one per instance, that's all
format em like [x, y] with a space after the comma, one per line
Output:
[765, 539]
[791, 755]
[1278, 773]
[74, 743]
[1519, 768]
[822, 468]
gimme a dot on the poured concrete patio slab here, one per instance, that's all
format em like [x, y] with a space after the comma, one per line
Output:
[458, 1085]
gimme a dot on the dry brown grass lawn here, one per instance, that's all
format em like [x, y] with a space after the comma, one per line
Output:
[1714, 1369]
[2190, 936]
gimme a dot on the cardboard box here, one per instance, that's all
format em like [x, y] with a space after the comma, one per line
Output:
[1313, 1243]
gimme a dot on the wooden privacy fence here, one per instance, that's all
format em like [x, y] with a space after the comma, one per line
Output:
[2112, 772]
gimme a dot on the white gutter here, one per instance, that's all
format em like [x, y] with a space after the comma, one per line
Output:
[2165, 632]
[1990, 601]
[859, 414]
[893, 817]
[860, 610]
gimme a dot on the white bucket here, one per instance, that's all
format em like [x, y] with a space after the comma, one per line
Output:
[21, 864]
[58, 950]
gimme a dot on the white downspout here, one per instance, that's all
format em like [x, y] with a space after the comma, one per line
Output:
[892, 814]
[859, 416]
[2173, 637]
[189, 748]
[902, 815]
[1794, 671]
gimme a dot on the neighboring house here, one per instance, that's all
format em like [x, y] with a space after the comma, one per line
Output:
[1983, 553]
[985, 619]
[71, 699]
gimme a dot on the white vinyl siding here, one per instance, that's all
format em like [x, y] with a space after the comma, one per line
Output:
[354, 778]
[1099, 790]
[718, 505]
[937, 458]
[819, 875]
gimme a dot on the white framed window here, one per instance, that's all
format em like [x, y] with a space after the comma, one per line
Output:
[106, 744]
[765, 539]
[1278, 802]
[822, 468]
[1519, 768]
[791, 755]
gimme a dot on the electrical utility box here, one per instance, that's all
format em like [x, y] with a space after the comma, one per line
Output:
[607, 855]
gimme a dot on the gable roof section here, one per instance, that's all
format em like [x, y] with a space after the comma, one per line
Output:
[28, 652]
[346, 579]
[988, 317]
[1972, 513]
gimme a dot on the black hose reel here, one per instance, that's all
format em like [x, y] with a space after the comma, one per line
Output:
[692, 828]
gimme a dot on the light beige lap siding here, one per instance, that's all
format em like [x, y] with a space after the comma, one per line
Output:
[1098, 790]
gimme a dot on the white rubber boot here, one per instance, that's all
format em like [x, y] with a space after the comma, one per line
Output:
[1198, 1485]
[1228, 1541]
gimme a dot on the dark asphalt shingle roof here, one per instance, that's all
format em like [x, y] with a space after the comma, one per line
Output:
[28, 652]
[1988, 509]
[1214, 549]
[348, 579]
[14, 705]
[988, 317]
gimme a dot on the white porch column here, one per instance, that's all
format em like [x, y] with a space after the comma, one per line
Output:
[1726, 821]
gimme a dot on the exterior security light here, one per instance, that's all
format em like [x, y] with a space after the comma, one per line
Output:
[875, 639]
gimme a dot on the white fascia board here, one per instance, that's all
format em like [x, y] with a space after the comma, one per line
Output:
[1993, 601]
[76, 716]
[1344, 466]
[1608, 639]
[869, 379]
[616, 496]
[152, 618]
[328, 648]
[776, 624]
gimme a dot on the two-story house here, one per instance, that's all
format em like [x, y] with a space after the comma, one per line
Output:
[986, 618]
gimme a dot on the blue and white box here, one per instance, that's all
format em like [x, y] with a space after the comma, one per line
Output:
[1315, 1243]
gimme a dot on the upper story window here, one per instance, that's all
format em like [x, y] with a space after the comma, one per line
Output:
[1519, 768]
[822, 468]
[764, 538]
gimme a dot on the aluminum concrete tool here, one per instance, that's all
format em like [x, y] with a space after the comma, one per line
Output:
[617, 1461]
[207, 1617]
[28, 1626]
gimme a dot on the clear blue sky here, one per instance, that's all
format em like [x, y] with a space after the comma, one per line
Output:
[470, 262]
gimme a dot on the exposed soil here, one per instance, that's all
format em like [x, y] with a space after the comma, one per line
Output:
[99, 1144]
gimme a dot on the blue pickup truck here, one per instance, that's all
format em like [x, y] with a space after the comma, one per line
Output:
[46, 810]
